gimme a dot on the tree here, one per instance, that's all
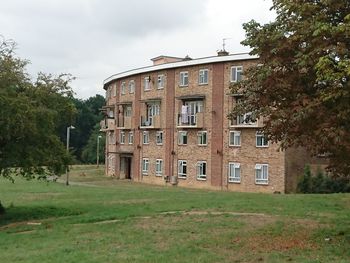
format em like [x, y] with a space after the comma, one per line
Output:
[88, 114]
[31, 114]
[301, 84]
[90, 149]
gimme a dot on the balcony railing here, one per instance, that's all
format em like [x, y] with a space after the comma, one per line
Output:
[107, 124]
[150, 122]
[124, 123]
[190, 121]
[246, 121]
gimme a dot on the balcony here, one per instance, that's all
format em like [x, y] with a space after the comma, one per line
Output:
[190, 121]
[150, 123]
[124, 123]
[107, 124]
[245, 121]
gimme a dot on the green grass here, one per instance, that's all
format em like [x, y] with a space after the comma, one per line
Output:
[99, 219]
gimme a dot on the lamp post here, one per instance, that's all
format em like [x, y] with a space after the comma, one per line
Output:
[98, 150]
[68, 136]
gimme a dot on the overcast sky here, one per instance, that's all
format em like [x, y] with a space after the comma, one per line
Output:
[93, 39]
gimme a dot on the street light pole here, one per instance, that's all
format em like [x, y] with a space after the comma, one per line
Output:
[98, 150]
[68, 136]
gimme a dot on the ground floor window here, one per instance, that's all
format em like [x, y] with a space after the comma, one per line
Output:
[201, 170]
[234, 173]
[159, 167]
[261, 173]
[182, 169]
[145, 166]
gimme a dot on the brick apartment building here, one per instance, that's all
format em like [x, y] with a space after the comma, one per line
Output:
[167, 124]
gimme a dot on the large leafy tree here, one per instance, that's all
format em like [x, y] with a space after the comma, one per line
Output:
[301, 84]
[89, 154]
[31, 114]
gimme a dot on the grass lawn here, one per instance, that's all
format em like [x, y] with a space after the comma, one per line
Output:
[99, 219]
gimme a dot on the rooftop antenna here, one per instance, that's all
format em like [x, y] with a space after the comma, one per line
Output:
[223, 52]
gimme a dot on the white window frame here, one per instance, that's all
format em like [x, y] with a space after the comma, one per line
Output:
[183, 78]
[201, 170]
[262, 174]
[111, 138]
[114, 87]
[236, 138]
[127, 111]
[161, 81]
[131, 137]
[159, 137]
[203, 76]
[145, 166]
[200, 138]
[145, 137]
[180, 171]
[233, 176]
[123, 88]
[147, 83]
[131, 86]
[235, 71]
[159, 167]
[264, 141]
[181, 136]
[122, 137]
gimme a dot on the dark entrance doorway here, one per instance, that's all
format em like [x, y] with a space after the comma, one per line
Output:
[127, 167]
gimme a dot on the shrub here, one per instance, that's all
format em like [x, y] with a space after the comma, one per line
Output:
[2, 209]
[322, 184]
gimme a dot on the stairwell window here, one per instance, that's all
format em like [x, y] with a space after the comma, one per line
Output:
[182, 138]
[182, 169]
[131, 138]
[145, 166]
[159, 137]
[202, 138]
[160, 82]
[147, 83]
[236, 73]
[261, 140]
[123, 88]
[122, 137]
[159, 167]
[235, 138]
[131, 86]
[234, 172]
[145, 137]
[201, 170]
[184, 78]
[203, 77]
[261, 173]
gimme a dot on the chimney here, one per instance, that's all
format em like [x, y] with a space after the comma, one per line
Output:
[222, 53]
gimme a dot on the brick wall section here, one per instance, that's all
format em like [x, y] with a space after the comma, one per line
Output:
[217, 123]
[136, 110]
[169, 126]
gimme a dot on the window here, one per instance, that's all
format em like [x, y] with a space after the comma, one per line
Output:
[236, 73]
[189, 110]
[159, 167]
[202, 138]
[122, 137]
[234, 173]
[159, 138]
[114, 87]
[261, 140]
[261, 173]
[182, 169]
[182, 138]
[111, 138]
[131, 86]
[203, 77]
[123, 88]
[147, 83]
[145, 137]
[235, 138]
[127, 111]
[184, 78]
[111, 113]
[246, 119]
[145, 166]
[131, 138]
[160, 82]
[201, 170]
